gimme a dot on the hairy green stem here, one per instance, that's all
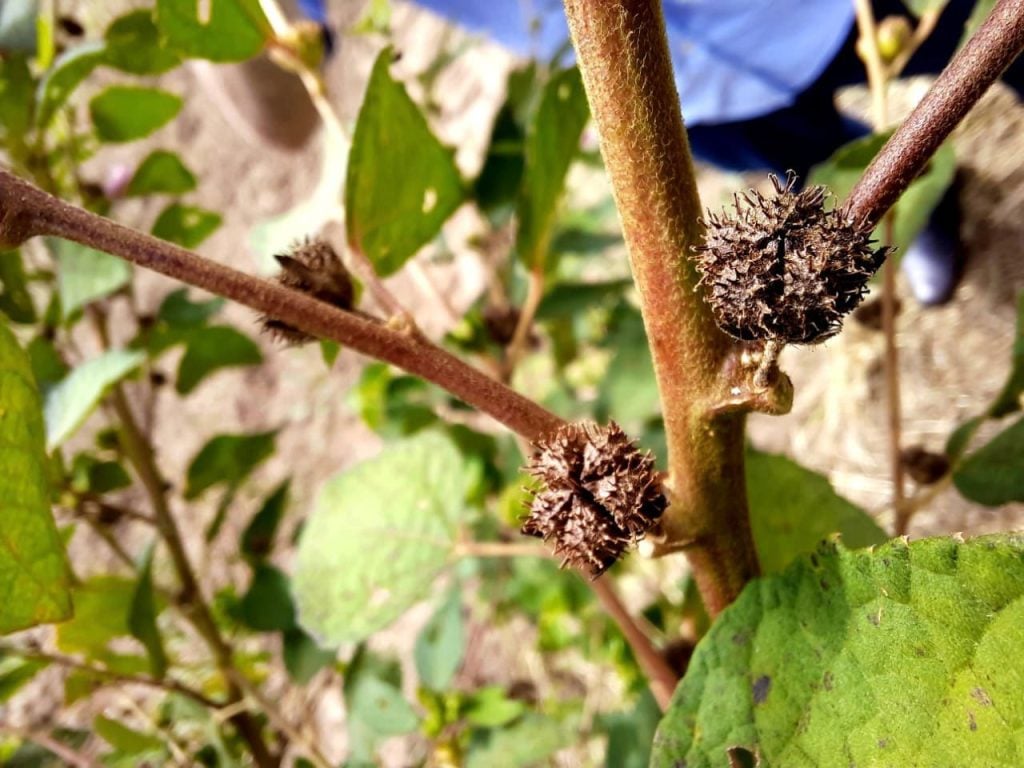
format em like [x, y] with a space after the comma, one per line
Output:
[623, 54]
[956, 90]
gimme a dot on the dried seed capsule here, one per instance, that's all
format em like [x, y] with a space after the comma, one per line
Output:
[314, 268]
[783, 267]
[600, 495]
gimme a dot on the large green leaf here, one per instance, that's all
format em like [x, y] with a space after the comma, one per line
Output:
[792, 509]
[71, 401]
[841, 171]
[994, 474]
[125, 113]
[162, 172]
[85, 274]
[402, 182]
[908, 655]
[227, 460]
[552, 140]
[235, 30]
[33, 573]
[379, 534]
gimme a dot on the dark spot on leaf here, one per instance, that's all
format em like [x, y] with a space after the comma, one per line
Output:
[970, 721]
[883, 743]
[740, 638]
[760, 689]
[920, 651]
[814, 560]
[679, 764]
[741, 757]
[885, 562]
[875, 618]
[981, 696]
[824, 585]
[827, 681]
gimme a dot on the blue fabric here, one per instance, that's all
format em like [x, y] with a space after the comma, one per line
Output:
[734, 59]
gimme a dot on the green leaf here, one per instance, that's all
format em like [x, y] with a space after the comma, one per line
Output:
[844, 169]
[378, 535]
[904, 656]
[375, 705]
[15, 673]
[66, 74]
[15, 301]
[402, 182]
[210, 349]
[125, 739]
[133, 45]
[71, 401]
[496, 188]
[179, 311]
[303, 658]
[142, 617]
[33, 572]
[235, 30]
[527, 743]
[490, 707]
[228, 460]
[792, 509]
[185, 225]
[329, 351]
[125, 113]
[1011, 398]
[162, 172]
[552, 140]
[17, 99]
[994, 474]
[258, 536]
[102, 604]
[630, 734]
[91, 475]
[85, 275]
[441, 644]
[267, 604]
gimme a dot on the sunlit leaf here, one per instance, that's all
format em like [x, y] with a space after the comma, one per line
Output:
[71, 401]
[905, 655]
[402, 183]
[378, 535]
[133, 45]
[185, 225]
[235, 30]
[66, 74]
[85, 274]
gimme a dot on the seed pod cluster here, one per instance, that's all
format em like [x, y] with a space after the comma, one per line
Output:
[784, 268]
[600, 494]
[314, 268]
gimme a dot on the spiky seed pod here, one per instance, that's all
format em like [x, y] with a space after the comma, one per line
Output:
[601, 494]
[783, 267]
[314, 268]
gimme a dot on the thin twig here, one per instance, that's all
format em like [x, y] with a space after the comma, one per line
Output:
[878, 81]
[660, 677]
[295, 735]
[524, 325]
[957, 89]
[499, 549]
[165, 684]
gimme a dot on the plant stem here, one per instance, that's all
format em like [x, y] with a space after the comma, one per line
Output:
[623, 54]
[524, 326]
[660, 677]
[973, 69]
[26, 210]
[165, 684]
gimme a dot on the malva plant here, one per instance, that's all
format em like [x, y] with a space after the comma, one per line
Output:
[814, 650]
